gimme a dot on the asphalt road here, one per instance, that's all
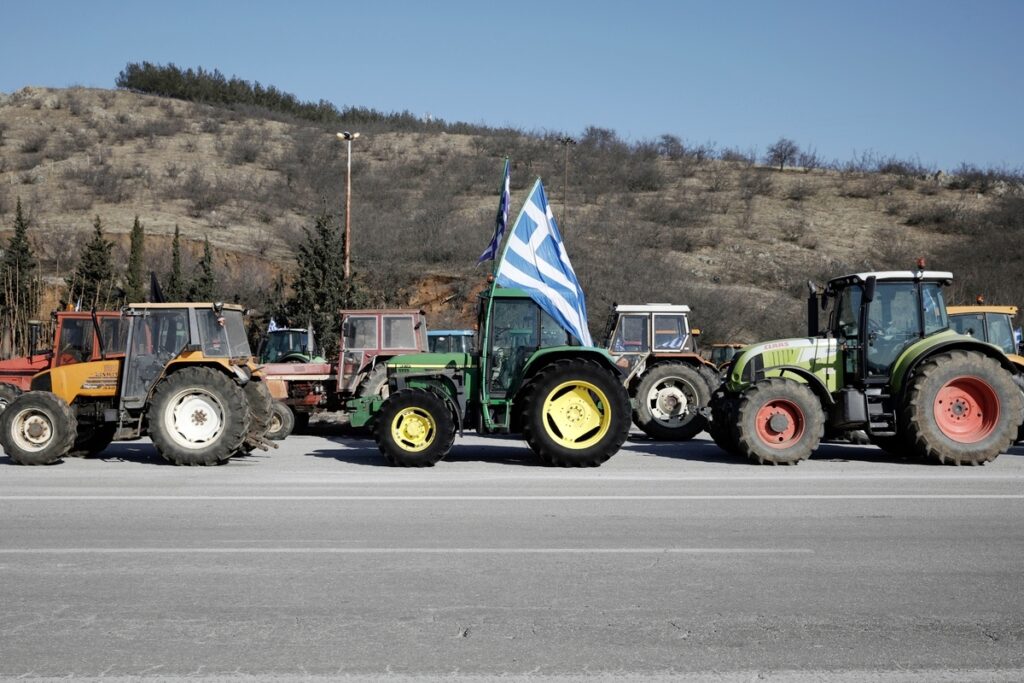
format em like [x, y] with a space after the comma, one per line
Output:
[671, 560]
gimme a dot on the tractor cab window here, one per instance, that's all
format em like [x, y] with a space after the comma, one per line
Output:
[115, 334]
[360, 332]
[669, 332]
[281, 343]
[514, 338]
[847, 313]
[1000, 332]
[157, 336]
[222, 335]
[631, 335]
[973, 325]
[399, 332]
[75, 343]
[894, 322]
[933, 308]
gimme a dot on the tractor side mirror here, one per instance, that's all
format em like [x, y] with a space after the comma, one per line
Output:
[812, 309]
[869, 289]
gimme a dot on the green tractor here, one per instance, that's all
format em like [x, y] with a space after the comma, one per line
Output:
[888, 364]
[528, 375]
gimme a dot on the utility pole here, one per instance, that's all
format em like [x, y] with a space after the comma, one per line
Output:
[565, 142]
[348, 138]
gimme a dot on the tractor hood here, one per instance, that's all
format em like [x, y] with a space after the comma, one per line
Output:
[816, 355]
[426, 362]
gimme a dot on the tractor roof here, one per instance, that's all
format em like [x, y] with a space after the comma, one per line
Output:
[942, 276]
[728, 345]
[652, 308]
[226, 307]
[960, 310]
[451, 333]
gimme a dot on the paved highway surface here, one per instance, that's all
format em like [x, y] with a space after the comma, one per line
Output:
[671, 560]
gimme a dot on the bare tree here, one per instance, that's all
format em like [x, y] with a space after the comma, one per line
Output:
[783, 152]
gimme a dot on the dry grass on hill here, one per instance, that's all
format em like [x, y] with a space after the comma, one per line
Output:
[734, 239]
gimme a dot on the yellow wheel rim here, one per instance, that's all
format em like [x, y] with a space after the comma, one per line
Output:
[576, 415]
[413, 429]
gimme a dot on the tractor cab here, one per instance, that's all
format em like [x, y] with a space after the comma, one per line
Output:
[163, 334]
[516, 329]
[640, 331]
[992, 324]
[289, 345]
[370, 336]
[875, 317]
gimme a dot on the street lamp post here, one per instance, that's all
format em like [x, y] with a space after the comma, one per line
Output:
[348, 138]
[566, 142]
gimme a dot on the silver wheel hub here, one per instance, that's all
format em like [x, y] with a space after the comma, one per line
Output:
[194, 418]
[32, 430]
[668, 402]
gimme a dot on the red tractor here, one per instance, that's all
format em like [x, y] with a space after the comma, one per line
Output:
[74, 341]
[369, 338]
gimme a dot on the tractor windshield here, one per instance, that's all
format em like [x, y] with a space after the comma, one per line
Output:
[223, 335]
[631, 335]
[900, 314]
[1000, 332]
[281, 343]
[518, 328]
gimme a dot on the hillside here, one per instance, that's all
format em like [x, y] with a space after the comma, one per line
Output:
[650, 222]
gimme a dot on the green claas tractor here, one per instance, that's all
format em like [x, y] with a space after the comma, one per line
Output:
[528, 375]
[888, 364]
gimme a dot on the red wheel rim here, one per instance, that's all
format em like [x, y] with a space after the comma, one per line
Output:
[780, 423]
[966, 409]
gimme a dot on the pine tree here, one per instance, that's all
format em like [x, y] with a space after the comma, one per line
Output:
[204, 283]
[320, 289]
[175, 283]
[135, 289]
[91, 282]
[20, 293]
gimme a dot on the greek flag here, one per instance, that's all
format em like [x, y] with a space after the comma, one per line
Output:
[535, 261]
[500, 222]
[272, 327]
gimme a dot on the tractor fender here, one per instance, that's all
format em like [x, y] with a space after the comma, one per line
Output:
[440, 384]
[809, 378]
[544, 357]
[908, 362]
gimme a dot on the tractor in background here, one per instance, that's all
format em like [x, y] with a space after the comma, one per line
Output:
[450, 341]
[184, 376]
[669, 383]
[369, 337]
[887, 363]
[289, 345]
[720, 354]
[74, 340]
[527, 376]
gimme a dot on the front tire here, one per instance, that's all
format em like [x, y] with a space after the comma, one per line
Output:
[198, 416]
[414, 428]
[668, 399]
[37, 428]
[575, 414]
[779, 422]
[282, 421]
[962, 408]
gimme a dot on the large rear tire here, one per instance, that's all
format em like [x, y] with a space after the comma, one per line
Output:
[282, 422]
[198, 416]
[375, 384]
[711, 378]
[414, 428]
[37, 428]
[8, 392]
[962, 408]
[261, 412]
[668, 399]
[722, 427]
[779, 422]
[575, 414]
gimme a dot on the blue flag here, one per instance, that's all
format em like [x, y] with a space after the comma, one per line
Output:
[535, 261]
[500, 222]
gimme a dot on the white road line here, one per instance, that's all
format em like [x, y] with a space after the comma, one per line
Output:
[582, 498]
[405, 551]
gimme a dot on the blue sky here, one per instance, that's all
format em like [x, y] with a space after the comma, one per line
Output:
[937, 81]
